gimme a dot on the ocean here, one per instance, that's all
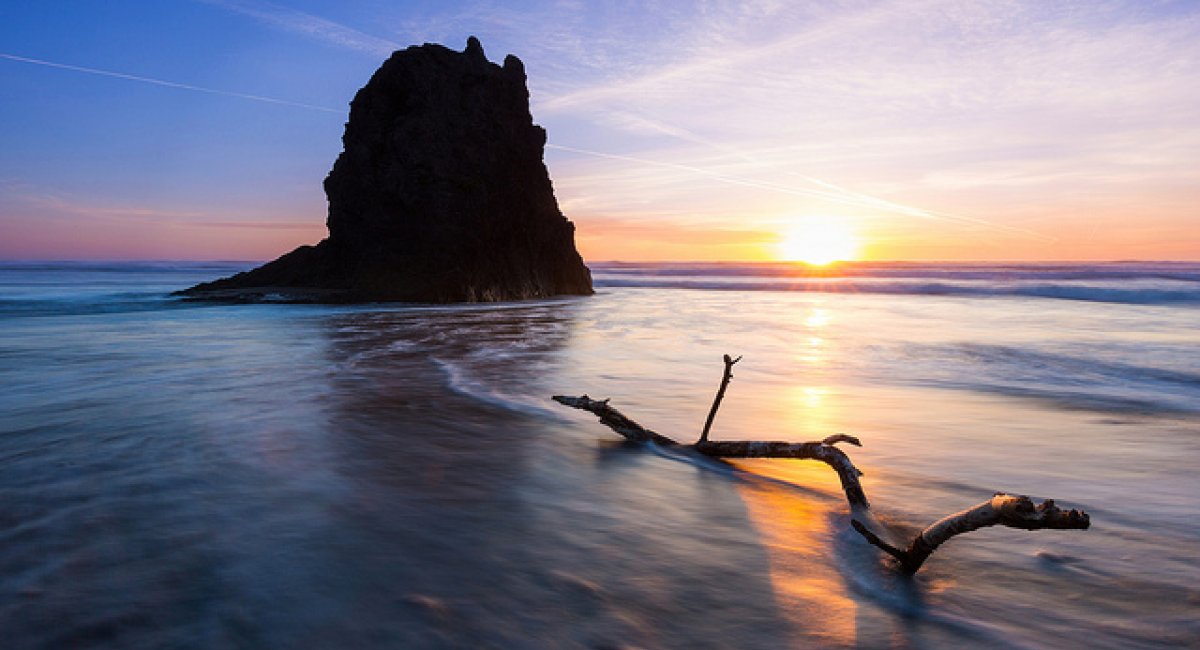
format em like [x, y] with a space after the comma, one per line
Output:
[189, 475]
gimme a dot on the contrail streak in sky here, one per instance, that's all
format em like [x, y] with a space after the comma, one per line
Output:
[168, 84]
[834, 194]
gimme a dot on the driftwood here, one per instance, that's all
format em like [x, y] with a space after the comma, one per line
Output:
[824, 451]
[1002, 509]
[712, 412]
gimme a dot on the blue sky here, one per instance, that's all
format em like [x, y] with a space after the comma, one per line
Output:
[707, 130]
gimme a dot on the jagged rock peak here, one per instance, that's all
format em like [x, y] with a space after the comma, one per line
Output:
[474, 49]
[440, 194]
[514, 65]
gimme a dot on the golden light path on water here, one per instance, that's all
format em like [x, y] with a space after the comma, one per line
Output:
[796, 528]
[795, 531]
[398, 473]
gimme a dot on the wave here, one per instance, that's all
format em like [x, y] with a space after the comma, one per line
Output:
[128, 267]
[1079, 399]
[1078, 368]
[82, 288]
[1160, 283]
[1061, 292]
[461, 381]
[114, 304]
[1182, 271]
[1071, 381]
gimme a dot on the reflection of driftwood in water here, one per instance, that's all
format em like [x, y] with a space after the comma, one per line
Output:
[1002, 509]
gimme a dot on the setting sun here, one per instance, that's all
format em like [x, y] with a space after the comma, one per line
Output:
[818, 240]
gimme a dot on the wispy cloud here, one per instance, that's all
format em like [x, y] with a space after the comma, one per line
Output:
[306, 24]
[718, 47]
[168, 84]
[985, 114]
[949, 127]
[819, 189]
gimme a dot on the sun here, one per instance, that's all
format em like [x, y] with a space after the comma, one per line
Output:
[818, 240]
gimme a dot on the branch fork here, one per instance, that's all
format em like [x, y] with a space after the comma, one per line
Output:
[1001, 510]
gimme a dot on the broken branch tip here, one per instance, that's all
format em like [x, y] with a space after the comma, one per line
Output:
[842, 437]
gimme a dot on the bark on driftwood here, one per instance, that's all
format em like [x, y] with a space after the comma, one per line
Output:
[1002, 509]
[824, 451]
[712, 412]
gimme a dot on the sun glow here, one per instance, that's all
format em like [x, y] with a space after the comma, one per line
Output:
[819, 240]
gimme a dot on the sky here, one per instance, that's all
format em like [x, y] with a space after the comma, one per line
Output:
[911, 130]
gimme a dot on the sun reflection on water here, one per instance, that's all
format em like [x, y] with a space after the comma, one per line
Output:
[796, 535]
[812, 348]
[812, 412]
[812, 396]
[817, 318]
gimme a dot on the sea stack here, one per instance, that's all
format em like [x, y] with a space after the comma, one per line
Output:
[440, 195]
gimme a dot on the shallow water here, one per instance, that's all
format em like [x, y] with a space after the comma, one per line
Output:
[181, 475]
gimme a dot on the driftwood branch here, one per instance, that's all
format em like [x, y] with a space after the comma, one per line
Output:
[1002, 509]
[712, 412]
[824, 451]
[842, 437]
[615, 420]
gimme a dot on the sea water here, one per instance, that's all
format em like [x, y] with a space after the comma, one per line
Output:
[188, 475]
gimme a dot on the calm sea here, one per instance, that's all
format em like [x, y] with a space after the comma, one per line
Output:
[180, 475]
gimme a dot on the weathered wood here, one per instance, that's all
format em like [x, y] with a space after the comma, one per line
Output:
[712, 412]
[824, 451]
[1002, 509]
[615, 420]
[842, 437]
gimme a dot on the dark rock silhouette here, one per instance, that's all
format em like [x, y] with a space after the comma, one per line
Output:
[440, 195]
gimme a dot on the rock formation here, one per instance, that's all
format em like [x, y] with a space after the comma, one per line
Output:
[440, 195]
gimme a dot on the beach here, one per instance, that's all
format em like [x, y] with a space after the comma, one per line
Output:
[181, 474]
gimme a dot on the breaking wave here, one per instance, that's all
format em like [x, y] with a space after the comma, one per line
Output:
[1136, 283]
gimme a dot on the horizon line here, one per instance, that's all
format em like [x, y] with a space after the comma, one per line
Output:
[163, 260]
